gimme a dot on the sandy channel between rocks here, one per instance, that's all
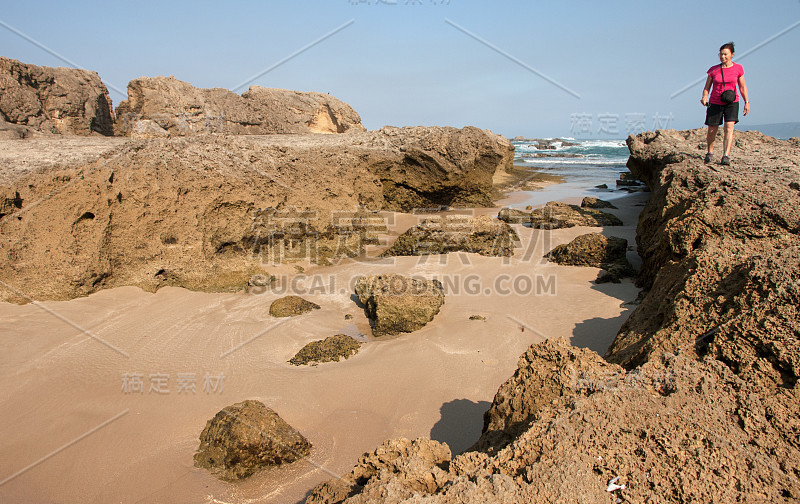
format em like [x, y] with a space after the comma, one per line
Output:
[74, 433]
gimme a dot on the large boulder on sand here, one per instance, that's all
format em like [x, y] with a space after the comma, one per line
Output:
[54, 100]
[182, 109]
[290, 306]
[456, 233]
[591, 202]
[398, 304]
[597, 251]
[9, 131]
[246, 437]
[332, 348]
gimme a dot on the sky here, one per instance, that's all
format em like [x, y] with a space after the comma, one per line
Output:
[582, 69]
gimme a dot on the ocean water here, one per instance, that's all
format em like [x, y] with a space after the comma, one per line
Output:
[583, 166]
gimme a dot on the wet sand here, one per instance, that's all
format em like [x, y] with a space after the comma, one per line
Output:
[78, 430]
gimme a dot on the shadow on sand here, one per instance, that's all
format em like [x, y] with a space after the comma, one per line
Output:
[460, 424]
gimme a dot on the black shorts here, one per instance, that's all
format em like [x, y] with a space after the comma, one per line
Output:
[715, 113]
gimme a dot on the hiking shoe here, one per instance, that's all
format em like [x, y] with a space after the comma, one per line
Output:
[708, 158]
[725, 161]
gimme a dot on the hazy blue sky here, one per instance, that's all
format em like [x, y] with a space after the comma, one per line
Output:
[412, 62]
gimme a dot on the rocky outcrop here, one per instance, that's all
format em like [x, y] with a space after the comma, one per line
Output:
[210, 211]
[397, 304]
[246, 437]
[590, 202]
[10, 131]
[597, 251]
[330, 349]
[180, 109]
[398, 469]
[703, 407]
[557, 215]
[291, 306]
[53, 100]
[456, 233]
[568, 423]
[544, 373]
[442, 166]
[719, 247]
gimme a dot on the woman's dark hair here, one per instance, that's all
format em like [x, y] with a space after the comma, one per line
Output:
[729, 45]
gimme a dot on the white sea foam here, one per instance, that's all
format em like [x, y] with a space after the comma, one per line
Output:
[576, 161]
[603, 143]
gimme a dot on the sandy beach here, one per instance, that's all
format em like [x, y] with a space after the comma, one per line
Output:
[79, 428]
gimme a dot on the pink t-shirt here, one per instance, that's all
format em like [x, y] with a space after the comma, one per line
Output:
[732, 75]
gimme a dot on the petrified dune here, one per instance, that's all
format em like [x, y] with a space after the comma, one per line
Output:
[209, 211]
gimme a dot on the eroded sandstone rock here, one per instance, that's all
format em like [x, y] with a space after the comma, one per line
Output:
[456, 233]
[397, 304]
[181, 109]
[53, 100]
[246, 437]
[291, 306]
[412, 467]
[210, 211]
[556, 215]
[567, 423]
[704, 408]
[590, 202]
[330, 349]
[597, 251]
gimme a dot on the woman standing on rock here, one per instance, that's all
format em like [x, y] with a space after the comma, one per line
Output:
[723, 103]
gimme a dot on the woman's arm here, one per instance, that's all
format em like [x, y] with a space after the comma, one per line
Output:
[706, 89]
[743, 89]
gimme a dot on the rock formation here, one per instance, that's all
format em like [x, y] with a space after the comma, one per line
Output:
[9, 131]
[180, 109]
[703, 407]
[397, 304]
[413, 467]
[291, 306]
[246, 437]
[53, 100]
[210, 211]
[330, 349]
[590, 202]
[557, 215]
[718, 247]
[597, 251]
[453, 233]
[442, 166]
